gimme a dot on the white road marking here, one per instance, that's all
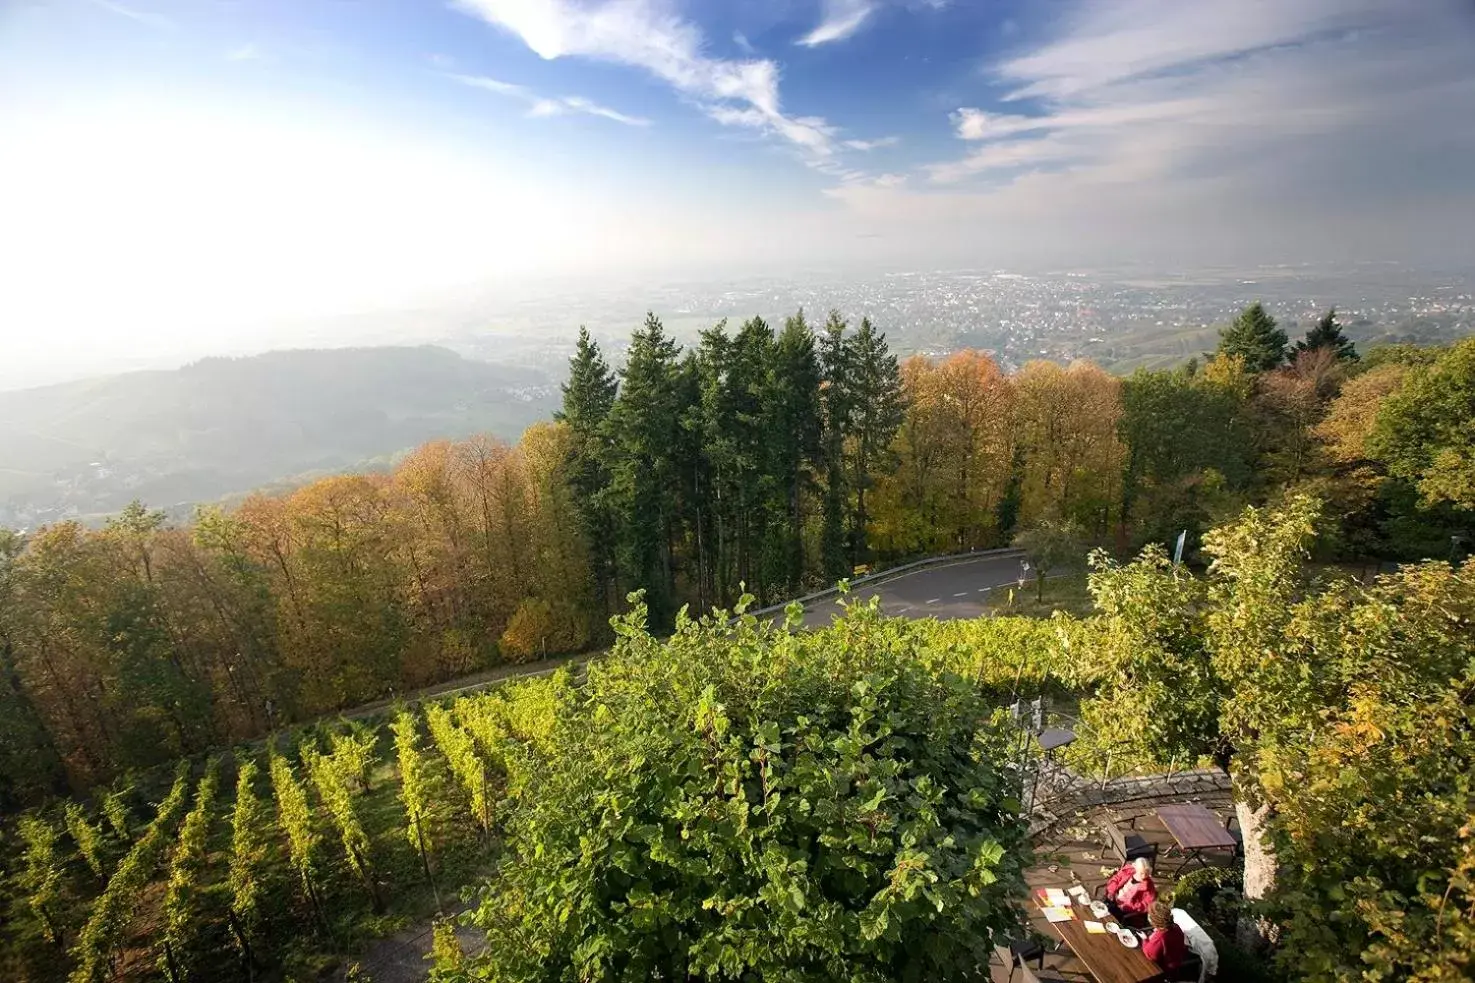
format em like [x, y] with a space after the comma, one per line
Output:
[961, 593]
[984, 590]
[934, 600]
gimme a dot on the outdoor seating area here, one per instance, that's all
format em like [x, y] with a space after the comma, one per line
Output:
[1068, 938]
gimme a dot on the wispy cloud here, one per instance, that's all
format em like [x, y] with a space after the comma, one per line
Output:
[650, 35]
[246, 52]
[135, 14]
[864, 145]
[1135, 89]
[1298, 130]
[543, 106]
[840, 19]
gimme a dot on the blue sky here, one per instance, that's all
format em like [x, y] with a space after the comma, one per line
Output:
[271, 158]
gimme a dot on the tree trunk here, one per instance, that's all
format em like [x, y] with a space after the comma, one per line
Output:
[1253, 932]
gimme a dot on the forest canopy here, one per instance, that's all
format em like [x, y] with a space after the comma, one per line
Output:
[760, 459]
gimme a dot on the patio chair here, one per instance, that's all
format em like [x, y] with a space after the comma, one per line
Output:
[1017, 952]
[1231, 826]
[1032, 978]
[1191, 970]
[1130, 845]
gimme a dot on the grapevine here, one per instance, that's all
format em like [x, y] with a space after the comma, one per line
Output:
[115, 808]
[249, 821]
[88, 839]
[460, 752]
[302, 834]
[414, 791]
[113, 910]
[332, 776]
[355, 752]
[41, 876]
[182, 896]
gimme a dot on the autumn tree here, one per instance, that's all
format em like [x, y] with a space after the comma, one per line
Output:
[954, 452]
[1066, 431]
[1188, 448]
[1423, 430]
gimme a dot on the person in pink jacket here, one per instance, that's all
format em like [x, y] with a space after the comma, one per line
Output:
[1131, 892]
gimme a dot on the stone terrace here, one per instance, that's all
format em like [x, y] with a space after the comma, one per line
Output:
[1068, 840]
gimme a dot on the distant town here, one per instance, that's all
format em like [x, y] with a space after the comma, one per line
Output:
[1121, 320]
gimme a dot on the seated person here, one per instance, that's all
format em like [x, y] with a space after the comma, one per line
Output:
[1166, 946]
[1131, 891]
[1198, 941]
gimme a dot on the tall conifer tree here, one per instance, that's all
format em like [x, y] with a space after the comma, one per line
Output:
[1255, 337]
[643, 430]
[588, 397]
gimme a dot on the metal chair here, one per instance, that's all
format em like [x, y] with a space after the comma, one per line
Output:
[1032, 978]
[1017, 952]
[1190, 970]
[1231, 826]
[1129, 846]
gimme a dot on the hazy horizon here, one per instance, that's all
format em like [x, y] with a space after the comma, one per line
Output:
[182, 179]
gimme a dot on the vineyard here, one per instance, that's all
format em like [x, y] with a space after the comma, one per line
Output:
[285, 858]
[272, 863]
[743, 801]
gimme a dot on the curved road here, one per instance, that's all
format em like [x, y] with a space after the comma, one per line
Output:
[953, 590]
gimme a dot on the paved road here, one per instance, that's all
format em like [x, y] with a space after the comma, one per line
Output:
[954, 590]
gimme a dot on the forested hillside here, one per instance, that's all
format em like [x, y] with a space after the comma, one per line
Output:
[228, 425]
[771, 461]
[740, 800]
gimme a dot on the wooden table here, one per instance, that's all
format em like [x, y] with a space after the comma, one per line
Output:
[1195, 829]
[1106, 958]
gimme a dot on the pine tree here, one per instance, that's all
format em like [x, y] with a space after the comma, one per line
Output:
[590, 390]
[1254, 337]
[643, 433]
[792, 421]
[588, 397]
[877, 406]
[1328, 334]
[718, 522]
[836, 399]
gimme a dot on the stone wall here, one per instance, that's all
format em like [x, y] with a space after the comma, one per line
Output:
[1064, 795]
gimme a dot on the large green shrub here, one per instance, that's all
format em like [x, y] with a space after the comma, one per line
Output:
[743, 803]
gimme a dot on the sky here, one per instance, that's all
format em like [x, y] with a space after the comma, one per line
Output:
[176, 173]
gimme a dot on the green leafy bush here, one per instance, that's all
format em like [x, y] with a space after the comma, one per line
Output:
[740, 802]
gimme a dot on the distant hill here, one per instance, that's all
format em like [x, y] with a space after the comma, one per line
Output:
[227, 425]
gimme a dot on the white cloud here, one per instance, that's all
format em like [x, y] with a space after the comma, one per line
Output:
[650, 35]
[1187, 133]
[743, 44]
[1149, 90]
[1109, 41]
[975, 124]
[246, 52]
[840, 20]
[877, 144]
[543, 106]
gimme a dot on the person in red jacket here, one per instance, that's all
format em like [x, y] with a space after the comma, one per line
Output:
[1131, 892]
[1166, 946]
